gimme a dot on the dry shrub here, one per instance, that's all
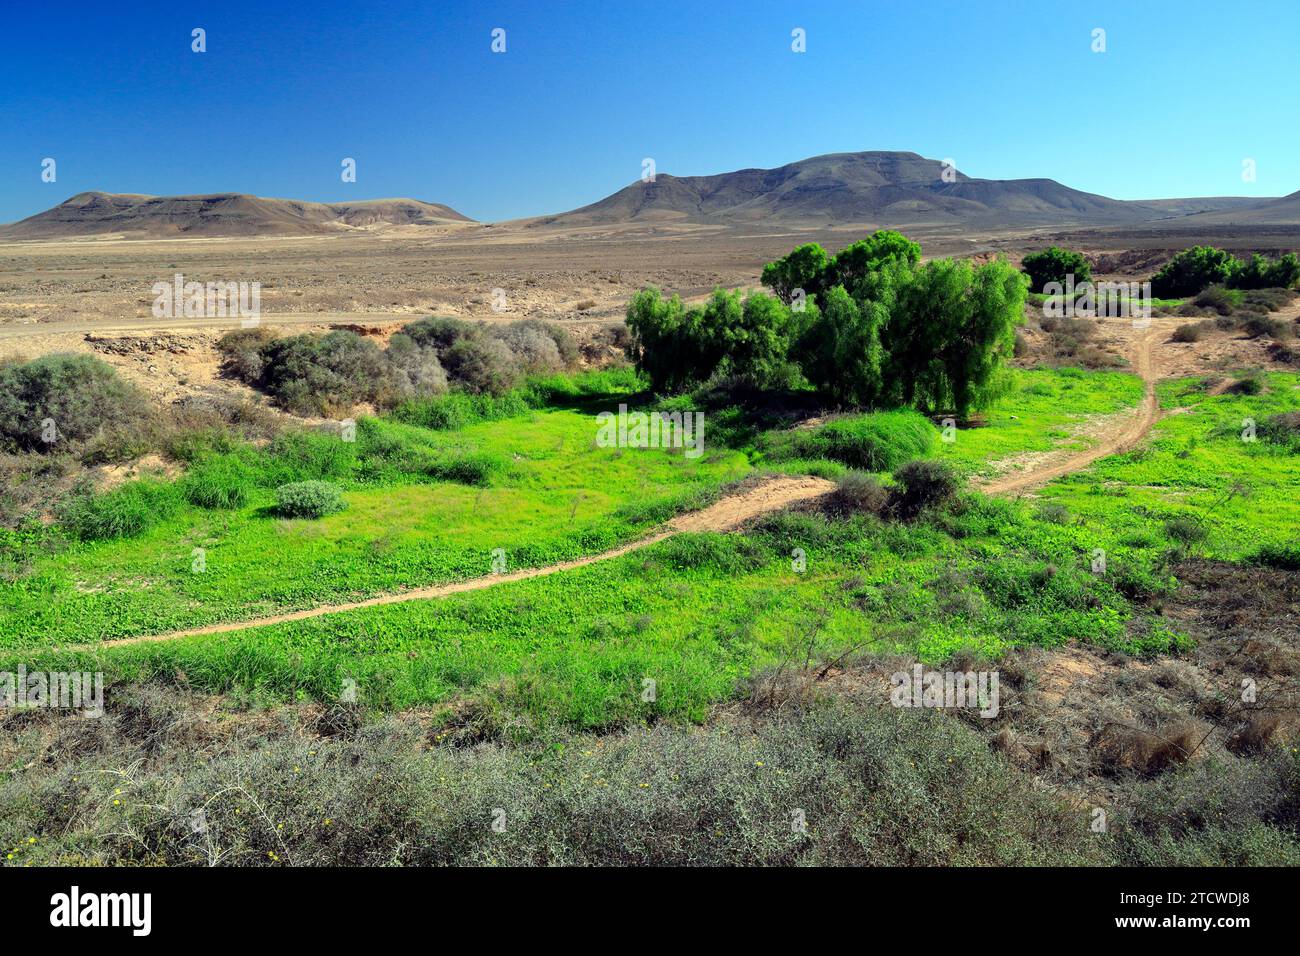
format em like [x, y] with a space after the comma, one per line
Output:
[857, 493]
[1120, 749]
[1261, 730]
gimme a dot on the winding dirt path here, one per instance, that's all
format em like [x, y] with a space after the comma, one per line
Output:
[729, 513]
[1125, 432]
[734, 510]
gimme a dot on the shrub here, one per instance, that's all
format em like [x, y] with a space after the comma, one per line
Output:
[1054, 513]
[1189, 332]
[1284, 557]
[1218, 298]
[922, 484]
[219, 482]
[67, 398]
[1054, 265]
[439, 333]
[1267, 300]
[531, 348]
[565, 344]
[878, 442]
[309, 499]
[857, 493]
[1186, 531]
[1282, 429]
[482, 366]
[414, 370]
[475, 469]
[323, 374]
[1256, 326]
[242, 353]
[1249, 384]
[124, 512]
[1192, 270]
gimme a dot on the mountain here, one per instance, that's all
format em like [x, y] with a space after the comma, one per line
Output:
[878, 188]
[220, 214]
[1260, 212]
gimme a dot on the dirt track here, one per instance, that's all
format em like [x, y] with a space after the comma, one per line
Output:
[1125, 431]
[733, 511]
[729, 513]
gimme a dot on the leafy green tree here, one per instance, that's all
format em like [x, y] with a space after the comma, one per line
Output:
[755, 342]
[671, 344]
[840, 351]
[1194, 270]
[951, 329]
[1260, 273]
[857, 260]
[1054, 264]
[804, 268]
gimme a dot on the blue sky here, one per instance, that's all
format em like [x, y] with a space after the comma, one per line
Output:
[1186, 90]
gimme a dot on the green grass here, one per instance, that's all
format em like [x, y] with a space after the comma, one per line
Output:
[1043, 411]
[548, 494]
[1196, 466]
[697, 614]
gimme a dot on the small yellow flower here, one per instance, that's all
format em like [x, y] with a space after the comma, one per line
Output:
[117, 803]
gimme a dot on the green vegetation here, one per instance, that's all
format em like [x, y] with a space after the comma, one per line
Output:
[59, 399]
[535, 485]
[1055, 265]
[869, 328]
[1204, 466]
[308, 499]
[330, 374]
[1197, 268]
[877, 442]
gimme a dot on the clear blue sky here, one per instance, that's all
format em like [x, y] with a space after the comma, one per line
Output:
[1186, 90]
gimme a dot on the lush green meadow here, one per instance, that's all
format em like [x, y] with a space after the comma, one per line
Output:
[549, 494]
[697, 614]
[1043, 411]
[1232, 491]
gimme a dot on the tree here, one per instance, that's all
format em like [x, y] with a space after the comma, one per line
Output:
[1054, 264]
[839, 351]
[756, 342]
[1192, 271]
[670, 343]
[857, 260]
[1261, 273]
[804, 268]
[950, 330]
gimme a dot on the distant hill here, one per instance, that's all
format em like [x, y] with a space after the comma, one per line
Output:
[219, 214]
[880, 188]
[1260, 212]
